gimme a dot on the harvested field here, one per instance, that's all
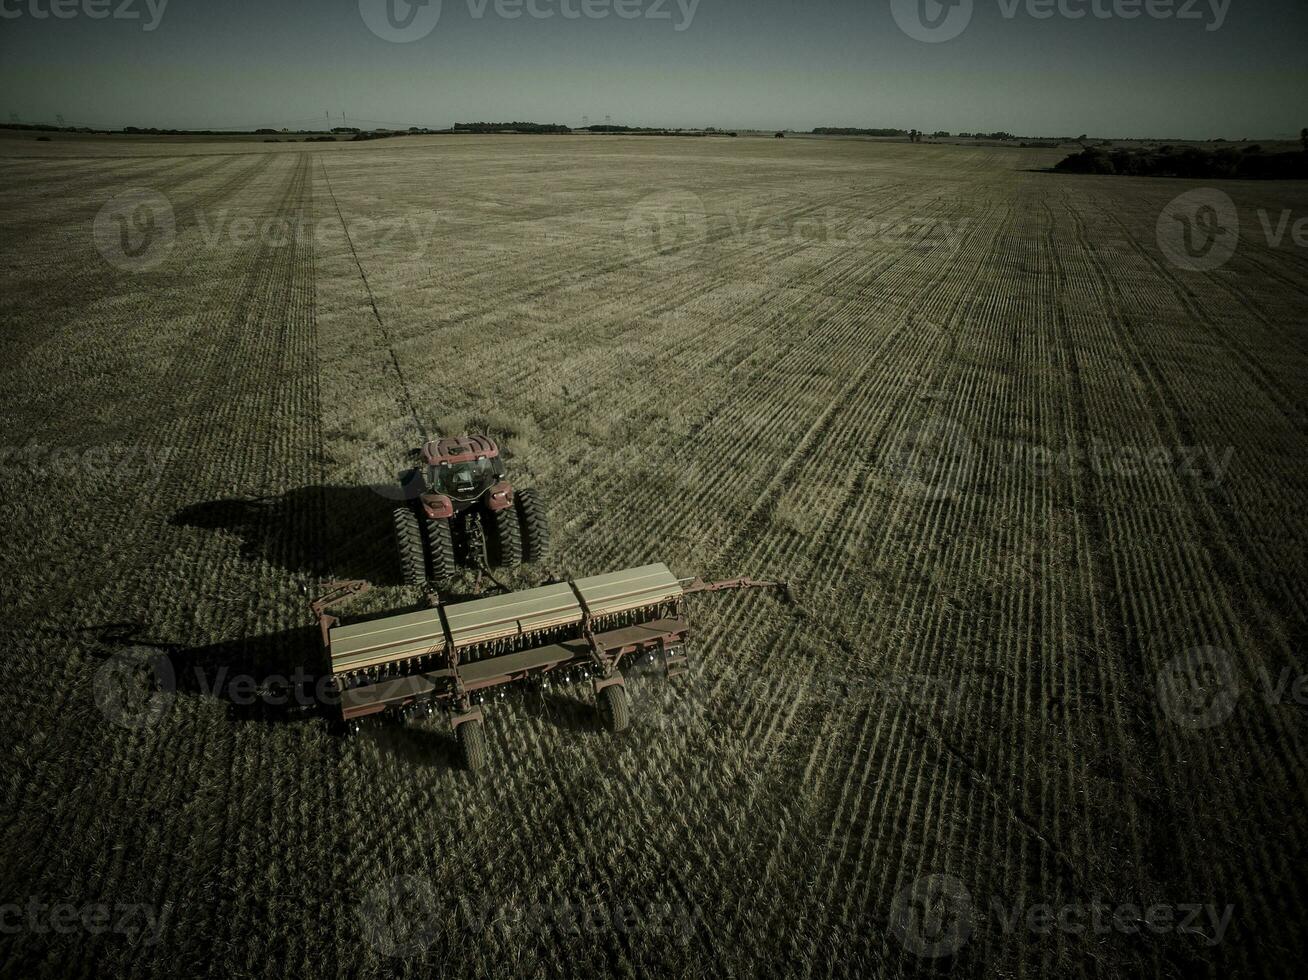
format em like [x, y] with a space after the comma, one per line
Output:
[1020, 469]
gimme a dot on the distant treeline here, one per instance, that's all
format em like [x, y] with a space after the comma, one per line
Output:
[551, 128]
[514, 127]
[310, 135]
[47, 128]
[1250, 163]
[848, 131]
[154, 131]
[647, 131]
[851, 131]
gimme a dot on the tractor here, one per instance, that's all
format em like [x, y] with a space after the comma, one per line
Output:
[460, 508]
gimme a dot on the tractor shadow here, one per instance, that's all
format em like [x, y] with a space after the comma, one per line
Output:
[333, 532]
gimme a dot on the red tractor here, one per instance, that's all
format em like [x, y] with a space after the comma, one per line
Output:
[460, 509]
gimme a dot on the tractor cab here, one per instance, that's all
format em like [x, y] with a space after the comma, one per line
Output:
[463, 468]
[466, 481]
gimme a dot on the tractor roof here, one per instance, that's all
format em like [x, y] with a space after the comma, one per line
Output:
[462, 449]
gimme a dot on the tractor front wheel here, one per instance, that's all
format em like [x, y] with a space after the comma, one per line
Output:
[533, 524]
[408, 541]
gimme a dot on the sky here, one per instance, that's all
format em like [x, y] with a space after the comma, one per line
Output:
[1186, 69]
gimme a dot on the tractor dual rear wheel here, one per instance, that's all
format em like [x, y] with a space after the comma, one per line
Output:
[440, 551]
[533, 524]
[408, 542]
[503, 537]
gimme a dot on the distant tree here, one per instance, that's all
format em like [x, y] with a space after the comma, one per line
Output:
[1303, 138]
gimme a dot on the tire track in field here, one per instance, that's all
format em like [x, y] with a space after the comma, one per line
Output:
[188, 362]
[1021, 618]
[105, 282]
[822, 550]
[1287, 600]
[95, 280]
[1215, 510]
[1264, 380]
[1224, 606]
[276, 333]
[1094, 540]
[1017, 810]
[549, 283]
[95, 603]
[80, 209]
[786, 371]
[1008, 803]
[579, 373]
[405, 390]
[71, 194]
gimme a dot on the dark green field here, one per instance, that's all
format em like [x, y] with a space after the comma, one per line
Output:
[1040, 492]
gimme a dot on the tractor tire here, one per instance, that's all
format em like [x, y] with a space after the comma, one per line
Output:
[408, 541]
[533, 525]
[472, 741]
[503, 539]
[614, 708]
[440, 551]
